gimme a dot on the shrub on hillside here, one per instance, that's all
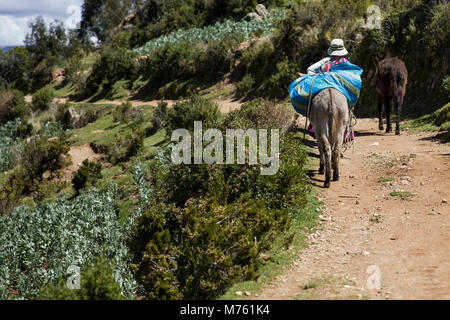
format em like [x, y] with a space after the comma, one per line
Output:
[159, 116]
[111, 66]
[12, 105]
[10, 145]
[122, 113]
[126, 146]
[24, 129]
[171, 62]
[206, 225]
[96, 283]
[280, 80]
[35, 158]
[217, 58]
[42, 74]
[183, 114]
[121, 40]
[244, 86]
[42, 98]
[87, 175]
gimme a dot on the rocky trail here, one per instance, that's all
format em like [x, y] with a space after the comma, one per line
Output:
[385, 226]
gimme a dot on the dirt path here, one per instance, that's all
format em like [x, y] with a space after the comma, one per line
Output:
[78, 154]
[225, 106]
[367, 234]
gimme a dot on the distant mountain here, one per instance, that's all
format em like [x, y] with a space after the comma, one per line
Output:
[6, 48]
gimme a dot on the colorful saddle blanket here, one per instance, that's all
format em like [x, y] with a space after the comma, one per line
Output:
[340, 75]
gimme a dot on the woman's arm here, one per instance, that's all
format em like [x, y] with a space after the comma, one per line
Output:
[312, 69]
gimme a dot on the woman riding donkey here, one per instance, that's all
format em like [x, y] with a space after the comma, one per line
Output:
[326, 96]
[336, 54]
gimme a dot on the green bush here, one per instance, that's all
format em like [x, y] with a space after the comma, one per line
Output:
[183, 114]
[159, 116]
[111, 66]
[12, 105]
[96, 283]
[34, 159]
[10, 145]
[121, 40]
[42, 74]
[126, 146]
[122, 113]
[207, 224]
[244, 86]
[41, 155]
[278, 82]
[87, 175]
[216, 60]
[446, 85]
[24, 129]
[42, 98]
[175, 70]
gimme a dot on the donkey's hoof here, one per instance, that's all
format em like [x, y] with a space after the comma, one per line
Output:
[335, 177]
[388, 130]
[380, 126]
[326, 184]
[397, 132]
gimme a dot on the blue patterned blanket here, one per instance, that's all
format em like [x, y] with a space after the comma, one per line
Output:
[344, 77]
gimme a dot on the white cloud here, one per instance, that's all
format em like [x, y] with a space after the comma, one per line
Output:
[43, 7]
[15, 15]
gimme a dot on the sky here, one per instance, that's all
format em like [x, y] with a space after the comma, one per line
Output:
[15, 15]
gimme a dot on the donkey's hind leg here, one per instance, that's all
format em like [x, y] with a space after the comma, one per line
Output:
[327, 158]
[322, 156]
[336, 153]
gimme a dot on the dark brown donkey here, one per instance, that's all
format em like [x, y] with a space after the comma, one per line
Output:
[391, 78]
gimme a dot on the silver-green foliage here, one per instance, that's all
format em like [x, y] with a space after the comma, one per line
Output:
[219, 31]
[38, 245]
[10, 146]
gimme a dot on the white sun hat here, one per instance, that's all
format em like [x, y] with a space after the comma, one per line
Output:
[337, 48]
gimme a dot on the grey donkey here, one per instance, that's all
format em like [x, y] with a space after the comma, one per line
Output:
[329, 114]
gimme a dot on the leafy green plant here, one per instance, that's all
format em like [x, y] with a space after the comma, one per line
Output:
[401, 194]
[42, 98]
[183, 114]
[12, 105]
[110, 67]
[41, 155]
[121, 114]
[245, 85]
[205, 226]
[87, 175]
[126, 146]
[217, 32]
[96, 283]
[159, 116]
[39, 245]
[11, 147]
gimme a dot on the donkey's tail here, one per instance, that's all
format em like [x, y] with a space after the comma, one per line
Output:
[331, 119]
